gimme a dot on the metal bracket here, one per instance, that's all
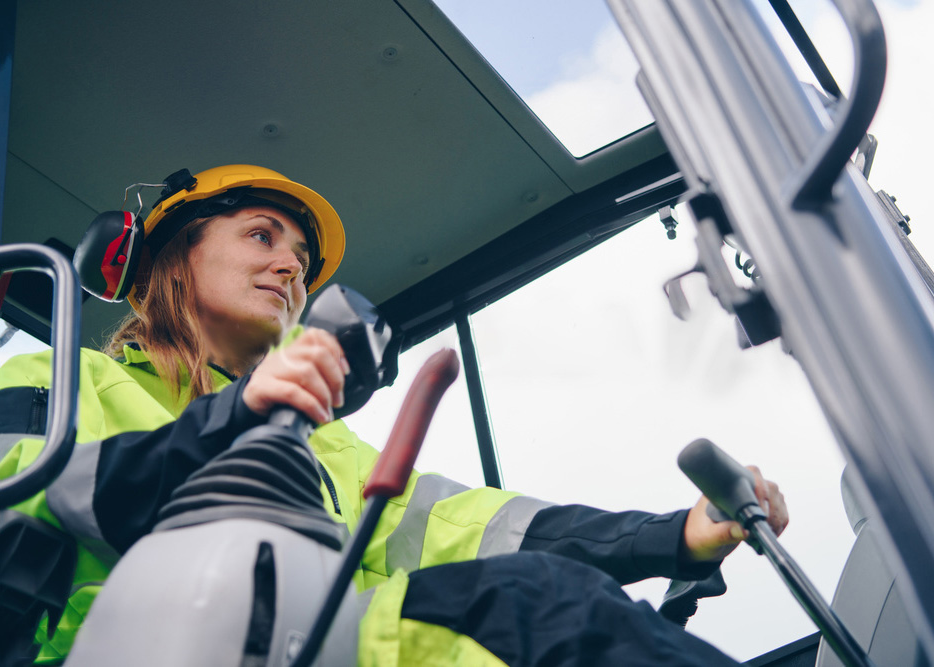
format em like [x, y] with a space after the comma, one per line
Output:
[758, 321]
[667, 215]
[892, 211]
[865, 153]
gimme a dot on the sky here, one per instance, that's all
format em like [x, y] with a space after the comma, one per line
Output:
[570, 63]
[594, 386]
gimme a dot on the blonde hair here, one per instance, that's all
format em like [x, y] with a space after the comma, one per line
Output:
[166, 326]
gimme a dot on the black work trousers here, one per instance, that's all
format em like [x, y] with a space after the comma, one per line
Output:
[539, 609]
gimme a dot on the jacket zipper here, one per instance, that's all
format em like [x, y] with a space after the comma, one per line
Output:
[37, 415]
[331, 490]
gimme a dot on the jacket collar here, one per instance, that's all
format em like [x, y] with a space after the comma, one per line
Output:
[133, 355]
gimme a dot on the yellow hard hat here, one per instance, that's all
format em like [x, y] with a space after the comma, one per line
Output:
[214, 191]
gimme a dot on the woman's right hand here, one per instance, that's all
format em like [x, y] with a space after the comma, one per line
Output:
[307, 375]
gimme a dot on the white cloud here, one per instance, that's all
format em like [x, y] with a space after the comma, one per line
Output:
[594, 100]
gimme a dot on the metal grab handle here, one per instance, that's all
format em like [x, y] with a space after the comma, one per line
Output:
[824, 164]
[63, 396]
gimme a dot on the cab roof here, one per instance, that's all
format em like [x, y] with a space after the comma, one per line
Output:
[451, 190]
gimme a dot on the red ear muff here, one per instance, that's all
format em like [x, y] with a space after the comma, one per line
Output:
[108, 254]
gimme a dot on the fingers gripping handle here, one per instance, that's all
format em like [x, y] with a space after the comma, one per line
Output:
[392, 471]
[728, 485]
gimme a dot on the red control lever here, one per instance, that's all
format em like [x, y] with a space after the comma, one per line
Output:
[388, 480]
[395, 464]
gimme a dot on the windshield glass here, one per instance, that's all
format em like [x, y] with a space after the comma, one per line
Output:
[14, 341]
[569, 64]
[594, 386]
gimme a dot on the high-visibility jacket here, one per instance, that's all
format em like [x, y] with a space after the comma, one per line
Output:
[136, 443]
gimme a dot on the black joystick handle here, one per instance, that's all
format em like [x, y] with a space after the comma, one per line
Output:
[728, 486]
[269, 472]
[369, 346]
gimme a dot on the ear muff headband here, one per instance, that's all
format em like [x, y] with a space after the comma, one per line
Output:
[108, 254]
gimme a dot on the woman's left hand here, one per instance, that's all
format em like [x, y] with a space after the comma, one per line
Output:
[706, 540]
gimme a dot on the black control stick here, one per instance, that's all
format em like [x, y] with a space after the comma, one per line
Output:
[248, 583]
[269, 472]
[369, 346]
[730, 487]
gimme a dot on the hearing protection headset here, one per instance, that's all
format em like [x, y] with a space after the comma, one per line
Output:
[114, 257]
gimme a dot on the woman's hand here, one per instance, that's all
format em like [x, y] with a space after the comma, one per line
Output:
[307, 375]
[705, 540]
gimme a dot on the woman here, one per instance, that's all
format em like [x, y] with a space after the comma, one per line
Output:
[228, 258]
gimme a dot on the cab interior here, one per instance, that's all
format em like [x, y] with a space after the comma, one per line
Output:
[453, 193]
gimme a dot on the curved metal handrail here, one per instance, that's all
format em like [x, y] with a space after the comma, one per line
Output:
[824, 164]
[63, 395]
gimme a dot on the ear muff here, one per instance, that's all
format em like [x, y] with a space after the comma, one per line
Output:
[108, 255]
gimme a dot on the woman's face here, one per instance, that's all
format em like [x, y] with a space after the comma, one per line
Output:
[248, 270]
